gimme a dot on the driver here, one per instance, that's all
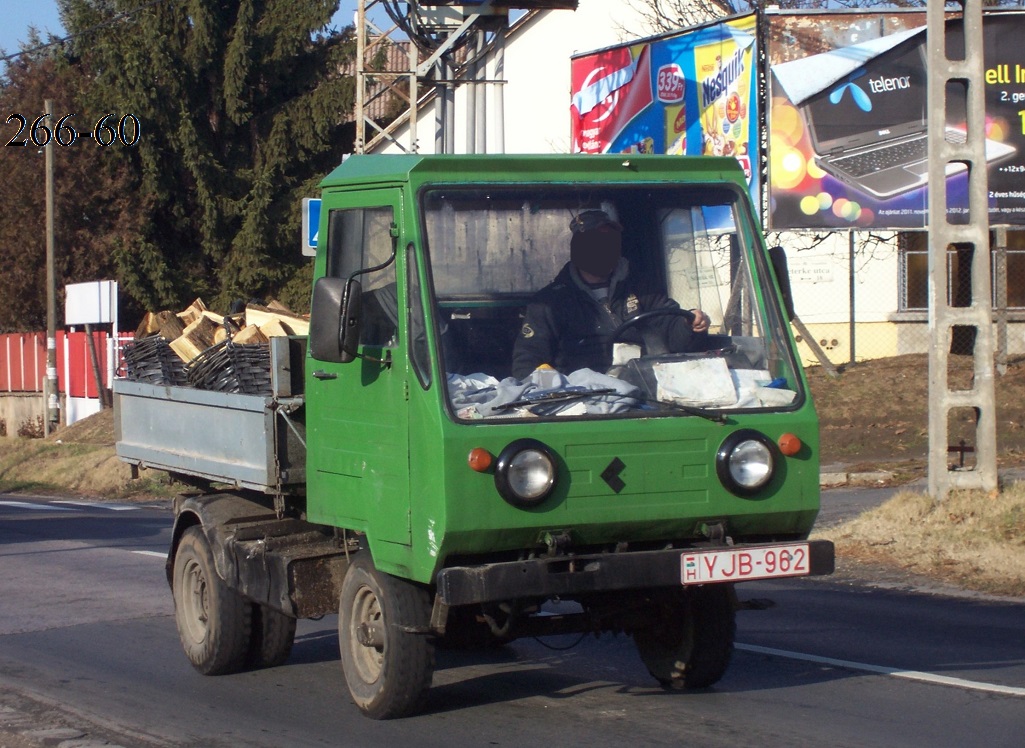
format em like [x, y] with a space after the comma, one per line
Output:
[571, 323]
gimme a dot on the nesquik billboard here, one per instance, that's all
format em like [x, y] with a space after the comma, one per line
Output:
[689, 93]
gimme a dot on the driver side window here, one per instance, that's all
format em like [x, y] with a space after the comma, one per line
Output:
[361, 238]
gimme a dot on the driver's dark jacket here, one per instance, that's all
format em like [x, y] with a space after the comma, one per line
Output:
[566, 328]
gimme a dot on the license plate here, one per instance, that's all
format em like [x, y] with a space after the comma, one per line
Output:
[740, 564]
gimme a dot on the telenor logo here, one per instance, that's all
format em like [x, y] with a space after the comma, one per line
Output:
[882, 85]
[858, 94]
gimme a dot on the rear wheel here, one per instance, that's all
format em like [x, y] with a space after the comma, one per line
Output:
[213, 620]
[387, 657]
[690, 642]
[273, 634]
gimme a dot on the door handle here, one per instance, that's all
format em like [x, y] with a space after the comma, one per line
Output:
[324, 375]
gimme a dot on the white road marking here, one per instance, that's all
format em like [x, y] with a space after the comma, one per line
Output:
[66, 505]
[38, 507]
[100, 505]
[944, 680]
[75, 505]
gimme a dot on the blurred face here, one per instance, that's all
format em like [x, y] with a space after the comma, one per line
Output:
[597, 252]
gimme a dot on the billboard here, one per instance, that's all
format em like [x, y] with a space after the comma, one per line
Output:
[847, 118]
[689, 93]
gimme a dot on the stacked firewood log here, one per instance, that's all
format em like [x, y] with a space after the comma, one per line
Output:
[195, 329]
[208, 350]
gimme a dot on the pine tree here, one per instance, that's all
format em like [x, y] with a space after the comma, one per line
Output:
[243, 108]
[96, 209]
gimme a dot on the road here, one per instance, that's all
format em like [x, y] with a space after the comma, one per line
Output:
[89, 653]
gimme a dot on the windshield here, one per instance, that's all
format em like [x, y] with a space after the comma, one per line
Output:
[591, 302]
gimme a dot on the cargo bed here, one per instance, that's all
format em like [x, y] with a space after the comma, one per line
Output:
[246, 441]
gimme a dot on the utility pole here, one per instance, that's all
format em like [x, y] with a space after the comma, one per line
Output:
[947, 78]
[50, 388]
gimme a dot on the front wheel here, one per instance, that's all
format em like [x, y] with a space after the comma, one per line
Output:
[387, 657]
[214, 621]
[690, 641]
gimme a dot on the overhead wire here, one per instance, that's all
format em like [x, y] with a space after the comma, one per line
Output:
[414, 31]
[63, 40]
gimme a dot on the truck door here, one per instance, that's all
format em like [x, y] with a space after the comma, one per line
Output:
[357, 422]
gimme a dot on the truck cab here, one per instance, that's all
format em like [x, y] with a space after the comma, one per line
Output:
[496, 489]
[421, 437]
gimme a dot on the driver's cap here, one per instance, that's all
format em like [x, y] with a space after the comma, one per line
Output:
[593, 220]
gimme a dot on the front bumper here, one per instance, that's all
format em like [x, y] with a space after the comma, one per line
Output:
[567, 576]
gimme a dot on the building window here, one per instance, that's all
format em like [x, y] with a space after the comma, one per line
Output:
[914, 272]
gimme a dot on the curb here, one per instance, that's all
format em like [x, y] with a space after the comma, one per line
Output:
[833, 479]
[834, 475]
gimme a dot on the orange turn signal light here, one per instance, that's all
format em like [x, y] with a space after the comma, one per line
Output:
[789, 444]
[480, 459]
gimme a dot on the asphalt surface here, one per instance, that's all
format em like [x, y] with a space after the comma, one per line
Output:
[818, 662]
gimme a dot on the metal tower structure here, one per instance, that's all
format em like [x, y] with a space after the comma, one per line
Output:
[954, 82]
[430, 49]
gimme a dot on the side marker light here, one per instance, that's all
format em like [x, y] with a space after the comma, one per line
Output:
[789, 444]
[480, 459]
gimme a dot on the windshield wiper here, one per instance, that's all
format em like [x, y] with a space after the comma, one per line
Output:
[555, 396]
[691, 410]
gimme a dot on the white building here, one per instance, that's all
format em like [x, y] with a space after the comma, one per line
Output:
[529, 112]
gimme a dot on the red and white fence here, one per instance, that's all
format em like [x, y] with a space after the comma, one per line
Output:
[23, 367]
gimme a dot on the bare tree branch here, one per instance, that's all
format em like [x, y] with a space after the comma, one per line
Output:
[658, 16]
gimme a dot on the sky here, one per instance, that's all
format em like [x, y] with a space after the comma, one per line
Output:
[18, 15]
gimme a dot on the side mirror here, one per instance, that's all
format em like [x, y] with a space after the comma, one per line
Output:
[352, 321]
[335, 319]
[778, 259]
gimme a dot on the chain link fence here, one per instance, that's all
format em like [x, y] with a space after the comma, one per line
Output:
[864, 295]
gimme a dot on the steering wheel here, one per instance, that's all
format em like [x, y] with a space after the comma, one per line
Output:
[655, 343]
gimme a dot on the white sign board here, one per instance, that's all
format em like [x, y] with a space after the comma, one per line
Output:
[90, 303]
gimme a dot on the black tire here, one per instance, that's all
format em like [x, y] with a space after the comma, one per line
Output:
[387, 657]
[273, 634]
[213, 620]
[691, 642]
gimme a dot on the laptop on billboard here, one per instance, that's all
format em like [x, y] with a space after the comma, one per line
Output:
[869, 129]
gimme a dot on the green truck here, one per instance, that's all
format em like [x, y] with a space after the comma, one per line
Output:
[398, 473]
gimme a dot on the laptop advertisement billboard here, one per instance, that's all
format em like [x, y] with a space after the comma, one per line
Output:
[687, 93]
[847, 115]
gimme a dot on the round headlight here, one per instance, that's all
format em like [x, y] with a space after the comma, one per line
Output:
[525, 472]
[745, 462]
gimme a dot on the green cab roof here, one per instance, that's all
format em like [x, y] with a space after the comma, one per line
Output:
[382, 170]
